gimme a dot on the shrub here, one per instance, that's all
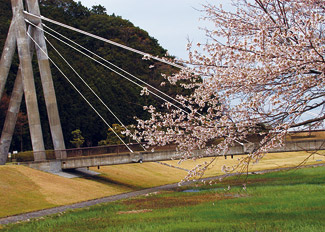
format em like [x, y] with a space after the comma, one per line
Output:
[27, 156]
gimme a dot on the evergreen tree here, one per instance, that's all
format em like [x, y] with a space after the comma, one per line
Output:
[78, 139]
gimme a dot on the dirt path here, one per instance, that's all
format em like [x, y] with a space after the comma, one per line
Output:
[55, 210]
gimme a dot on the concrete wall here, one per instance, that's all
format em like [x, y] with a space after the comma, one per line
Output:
[52, 166]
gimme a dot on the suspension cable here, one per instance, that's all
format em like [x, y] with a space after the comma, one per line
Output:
[92, 90]
[79, 92]
[135, 77]
[104, 40]
[108, 67]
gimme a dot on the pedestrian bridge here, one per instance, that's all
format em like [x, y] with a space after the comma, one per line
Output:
[88, 159]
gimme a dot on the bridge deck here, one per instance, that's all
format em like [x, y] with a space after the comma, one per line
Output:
[102, 160]
[128, 157]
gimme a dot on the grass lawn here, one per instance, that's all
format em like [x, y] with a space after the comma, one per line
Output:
[24, 189]
[282, 201]
[270, 161]
[140, 176]
[313, 135]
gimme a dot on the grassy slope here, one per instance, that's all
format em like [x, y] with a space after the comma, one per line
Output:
[316, 135]
[143, 175]
[24, 189]
[152, 174]
[270, 161]
[283, 201]
[19, 193]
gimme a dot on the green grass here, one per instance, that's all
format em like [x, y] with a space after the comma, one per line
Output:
[282, 201]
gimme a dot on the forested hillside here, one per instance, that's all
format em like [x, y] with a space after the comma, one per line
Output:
[120, 95]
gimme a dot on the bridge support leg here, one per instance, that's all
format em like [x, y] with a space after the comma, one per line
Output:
[47, 83]
[24, 84]
[5, 63]
[28, 82]
[12, 112]
[7, 55]
[11, 118]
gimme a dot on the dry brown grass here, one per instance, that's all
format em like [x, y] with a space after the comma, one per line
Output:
[24, 189]
[316, 135]
[140, 176]
[18, 193]
[59, 191]
[134, 211]
[270, 161]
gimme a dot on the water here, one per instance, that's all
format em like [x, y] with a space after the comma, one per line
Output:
[192, 190]
[200, 190]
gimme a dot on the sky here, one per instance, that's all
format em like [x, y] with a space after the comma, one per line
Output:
[171, 22]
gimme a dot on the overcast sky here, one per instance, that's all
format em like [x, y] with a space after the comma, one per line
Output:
[171, 22]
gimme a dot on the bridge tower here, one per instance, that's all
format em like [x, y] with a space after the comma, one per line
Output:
[24, 83]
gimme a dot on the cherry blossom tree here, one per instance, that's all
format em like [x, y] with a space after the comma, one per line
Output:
[260, 73]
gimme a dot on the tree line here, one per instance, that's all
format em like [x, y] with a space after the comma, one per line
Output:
[121, 96]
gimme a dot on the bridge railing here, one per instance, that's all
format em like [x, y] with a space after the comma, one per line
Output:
[81, 152]
[89, 151]
[120, 149]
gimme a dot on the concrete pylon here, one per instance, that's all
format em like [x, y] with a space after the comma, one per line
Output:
[11, 118]
[13, 110]
[28, 81]
[47, 83]
[7, 55]
[24, 84]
